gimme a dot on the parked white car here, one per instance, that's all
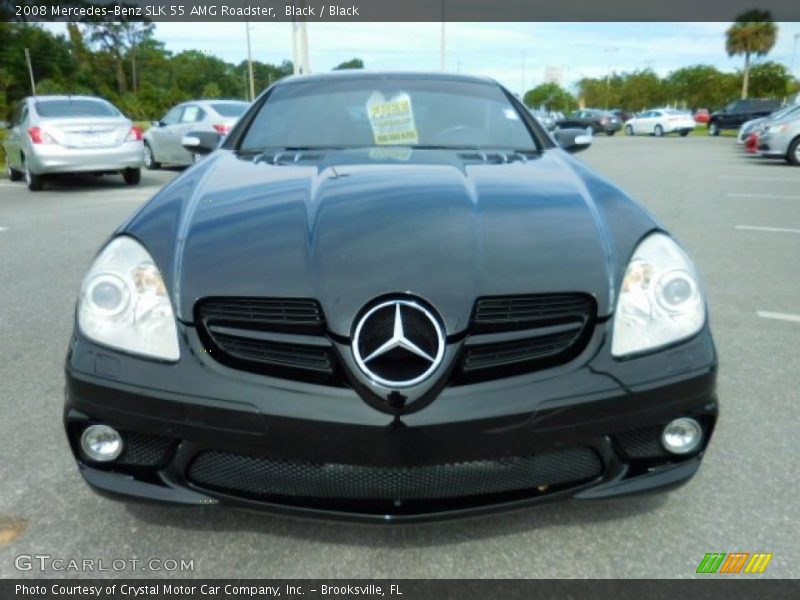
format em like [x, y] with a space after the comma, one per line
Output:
[162, 142]
[54, 135]
[659, 122]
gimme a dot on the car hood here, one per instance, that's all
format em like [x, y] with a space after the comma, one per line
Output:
[346, 227]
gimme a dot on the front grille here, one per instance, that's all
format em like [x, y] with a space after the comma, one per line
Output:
[518, 312]
[279, 354]
[511, 353]
[510, 335]
[282, 337]
[270, 478]
[295, 314]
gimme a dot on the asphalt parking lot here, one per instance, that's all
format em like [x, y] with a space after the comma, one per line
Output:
[738, 215]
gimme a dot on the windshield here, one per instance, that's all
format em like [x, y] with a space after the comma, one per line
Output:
[74, 107]
[387, 111]
[230, 109]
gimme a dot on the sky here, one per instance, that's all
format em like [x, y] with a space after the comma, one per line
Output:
[516, 54]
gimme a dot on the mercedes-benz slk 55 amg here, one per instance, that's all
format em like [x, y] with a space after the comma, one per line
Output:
[389, 297]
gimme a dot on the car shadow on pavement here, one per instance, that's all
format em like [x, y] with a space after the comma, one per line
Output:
[83, 183]
[399, 535]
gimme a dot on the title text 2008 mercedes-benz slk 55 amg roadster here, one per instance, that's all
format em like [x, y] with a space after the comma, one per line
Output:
[389, 297]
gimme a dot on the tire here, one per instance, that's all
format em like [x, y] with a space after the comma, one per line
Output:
[684, 133]
[34, 182]
[628, 130]
[713, 129]
[132, 176]
[793, 156]
[658, 131]
[150, 163]
[12, 173]
[610, 133]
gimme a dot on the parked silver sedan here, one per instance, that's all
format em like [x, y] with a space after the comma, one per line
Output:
[71, 134]
[782, 140]
[162, 142]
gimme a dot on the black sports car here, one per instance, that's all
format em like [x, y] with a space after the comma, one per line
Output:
[386, 297]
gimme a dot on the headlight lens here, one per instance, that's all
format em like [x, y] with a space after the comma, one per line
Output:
[124, 302]
[660, 299]
[776, 128]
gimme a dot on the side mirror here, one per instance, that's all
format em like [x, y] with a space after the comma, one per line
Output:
[201, 142]
[573, 140]
[156, 123]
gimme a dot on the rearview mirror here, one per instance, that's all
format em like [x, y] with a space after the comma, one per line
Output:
[573, 140]
[201, 142]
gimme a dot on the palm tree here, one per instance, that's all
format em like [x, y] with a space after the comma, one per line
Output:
[753, 32]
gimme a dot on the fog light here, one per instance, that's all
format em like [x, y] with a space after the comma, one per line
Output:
[682, 436]
[101, 443]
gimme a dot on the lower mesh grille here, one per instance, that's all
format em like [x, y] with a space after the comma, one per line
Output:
[266, 477]
[641, 443]
[144, 449]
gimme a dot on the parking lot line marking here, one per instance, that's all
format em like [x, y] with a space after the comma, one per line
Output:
[768, 196]
[773, 229]
[3, 228]
[778, 316]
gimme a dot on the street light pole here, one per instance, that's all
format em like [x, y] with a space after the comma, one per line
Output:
[608, 76]
[250, 63]
[794, 53]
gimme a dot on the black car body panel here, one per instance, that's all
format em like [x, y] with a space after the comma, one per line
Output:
[322, 235]
[739, 111]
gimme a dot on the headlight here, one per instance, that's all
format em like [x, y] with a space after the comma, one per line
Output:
[660, 299]
[124, 302]
[776, 128]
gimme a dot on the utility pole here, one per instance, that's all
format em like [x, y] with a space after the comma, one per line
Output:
[442, 45]
[250, 63]
[522, 77]
[30, 70]
[794, 52]
[608, 76]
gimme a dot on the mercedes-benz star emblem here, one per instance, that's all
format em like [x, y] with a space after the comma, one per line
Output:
[398, 343]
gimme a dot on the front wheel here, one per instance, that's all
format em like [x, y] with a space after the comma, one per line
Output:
[658, 131]
[713, 129]
[684, 133]
[793, 156]
[628, 130]
[132, 176]
[610, 133]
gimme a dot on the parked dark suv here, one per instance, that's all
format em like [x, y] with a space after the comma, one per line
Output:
[737, 112]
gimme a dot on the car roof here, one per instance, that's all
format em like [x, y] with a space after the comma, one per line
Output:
[366, 74]
[65, 97]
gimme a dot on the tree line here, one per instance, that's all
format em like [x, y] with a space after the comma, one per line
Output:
[121, 62]
[697, 86]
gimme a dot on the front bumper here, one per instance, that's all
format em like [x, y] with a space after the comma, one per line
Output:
[772, 146]
[347, 459]
[48, 159]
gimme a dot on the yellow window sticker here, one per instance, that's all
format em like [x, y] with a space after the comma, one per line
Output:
[392, 120]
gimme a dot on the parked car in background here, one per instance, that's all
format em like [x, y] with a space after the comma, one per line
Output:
[547, 120]
[782, 140]
[55, 135]
[756, 124]
[622, 115]
[162, 142]
[592, 120]
[701, 115]
[661, 121]
[739, 111]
